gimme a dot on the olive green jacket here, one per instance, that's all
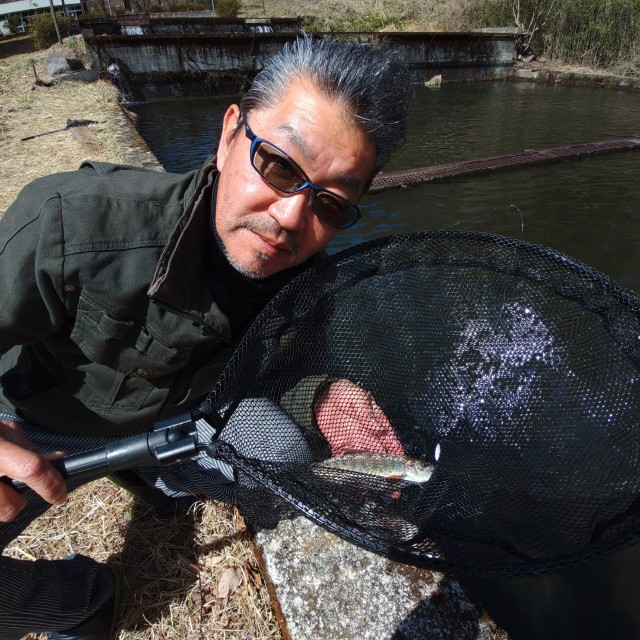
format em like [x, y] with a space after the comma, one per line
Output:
[106, 324]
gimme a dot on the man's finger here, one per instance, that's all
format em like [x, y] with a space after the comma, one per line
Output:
[11, 503]
[29, 467]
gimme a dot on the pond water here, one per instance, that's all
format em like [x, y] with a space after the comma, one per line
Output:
[589, 209]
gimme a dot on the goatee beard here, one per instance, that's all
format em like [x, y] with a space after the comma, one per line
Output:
[260, 273]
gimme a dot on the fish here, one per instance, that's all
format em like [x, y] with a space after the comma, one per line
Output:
[384, 465]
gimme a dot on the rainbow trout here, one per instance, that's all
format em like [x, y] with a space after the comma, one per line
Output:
[385, 465]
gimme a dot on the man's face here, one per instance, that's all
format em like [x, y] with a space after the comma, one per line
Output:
[263, 230]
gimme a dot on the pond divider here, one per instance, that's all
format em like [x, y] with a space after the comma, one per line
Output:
[205, 56]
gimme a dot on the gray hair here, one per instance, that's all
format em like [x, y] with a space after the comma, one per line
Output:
[372, 84]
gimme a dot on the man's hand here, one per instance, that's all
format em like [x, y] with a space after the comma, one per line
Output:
[20, 460]
[350, 420]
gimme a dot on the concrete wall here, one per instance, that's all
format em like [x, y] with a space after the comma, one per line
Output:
[455, 56]
[160, 63]
[165, 66]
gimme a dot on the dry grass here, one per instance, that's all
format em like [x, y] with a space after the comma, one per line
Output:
[172, 570]
[414, 15]
[28, 109]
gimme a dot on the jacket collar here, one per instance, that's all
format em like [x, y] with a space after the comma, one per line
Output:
[179, 281]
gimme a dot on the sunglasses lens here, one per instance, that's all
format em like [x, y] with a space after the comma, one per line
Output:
[333, 210]
[276, 168]
[280, 172]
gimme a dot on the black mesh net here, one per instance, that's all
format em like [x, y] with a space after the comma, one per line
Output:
[509, 370]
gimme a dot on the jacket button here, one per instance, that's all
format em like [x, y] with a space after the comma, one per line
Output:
[69, 288]
[142, 373]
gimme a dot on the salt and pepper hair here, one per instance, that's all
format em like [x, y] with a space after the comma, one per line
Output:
[370, 83]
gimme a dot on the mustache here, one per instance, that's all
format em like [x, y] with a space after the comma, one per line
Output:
[271, 229]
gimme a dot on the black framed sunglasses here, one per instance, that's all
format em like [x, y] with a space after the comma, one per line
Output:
[284, 174]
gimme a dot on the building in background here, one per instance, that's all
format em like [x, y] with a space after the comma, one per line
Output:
[26, 8]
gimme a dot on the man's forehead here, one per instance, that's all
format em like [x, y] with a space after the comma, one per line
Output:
[294, 135]
[303, 108]
[313, 126]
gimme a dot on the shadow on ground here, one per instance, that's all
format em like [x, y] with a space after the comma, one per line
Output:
[11, 46]
[159, 567]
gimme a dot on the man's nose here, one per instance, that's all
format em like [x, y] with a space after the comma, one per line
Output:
[292, 211]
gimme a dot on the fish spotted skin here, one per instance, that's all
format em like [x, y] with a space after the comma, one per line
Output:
[385, 465]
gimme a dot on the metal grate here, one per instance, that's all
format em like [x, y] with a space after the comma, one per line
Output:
[405, 177]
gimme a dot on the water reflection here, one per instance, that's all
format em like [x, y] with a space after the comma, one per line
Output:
[181, 133]
[463, 122]
[589, 209]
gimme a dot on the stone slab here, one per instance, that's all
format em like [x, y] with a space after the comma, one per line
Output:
[327, 589]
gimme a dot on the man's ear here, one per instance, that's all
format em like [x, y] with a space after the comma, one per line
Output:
[229, 124]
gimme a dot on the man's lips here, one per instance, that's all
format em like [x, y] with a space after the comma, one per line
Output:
[271, 245]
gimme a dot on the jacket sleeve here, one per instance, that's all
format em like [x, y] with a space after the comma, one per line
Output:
[31, 267]
[299, 404]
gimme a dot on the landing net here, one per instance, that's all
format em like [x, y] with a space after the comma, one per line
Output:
[511, 368]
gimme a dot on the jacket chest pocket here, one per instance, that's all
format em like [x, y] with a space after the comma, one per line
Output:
[123, 361]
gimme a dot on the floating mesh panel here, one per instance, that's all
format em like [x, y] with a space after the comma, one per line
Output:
[512, 369]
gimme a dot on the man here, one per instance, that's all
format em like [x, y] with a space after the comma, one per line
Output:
[125, 291]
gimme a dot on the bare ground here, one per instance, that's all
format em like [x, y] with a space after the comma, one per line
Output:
[191, 578]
